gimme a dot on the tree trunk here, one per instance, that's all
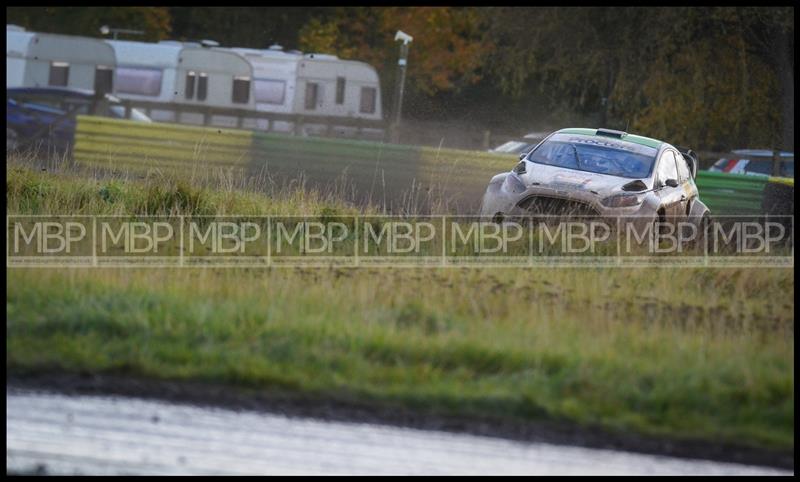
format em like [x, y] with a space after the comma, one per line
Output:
[785, 73]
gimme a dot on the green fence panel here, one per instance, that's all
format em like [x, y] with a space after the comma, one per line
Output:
[461, 176]
[725, 193]
[139, 147]
[366, 171]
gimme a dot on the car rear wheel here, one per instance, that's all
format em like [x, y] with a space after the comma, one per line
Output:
[705, 229]
[658, 226]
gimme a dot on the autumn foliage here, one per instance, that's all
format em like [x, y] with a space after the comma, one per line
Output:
[709, 77]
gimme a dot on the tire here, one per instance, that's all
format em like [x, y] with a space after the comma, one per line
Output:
[657, 225]
[704, 231]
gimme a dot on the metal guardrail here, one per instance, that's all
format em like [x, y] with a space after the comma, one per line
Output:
[240, 118]
[731, 193]
[137, 146]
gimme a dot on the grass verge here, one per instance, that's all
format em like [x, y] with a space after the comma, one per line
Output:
[702, 354]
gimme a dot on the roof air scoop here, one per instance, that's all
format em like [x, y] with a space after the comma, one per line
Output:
[611, 133]
[637, 185]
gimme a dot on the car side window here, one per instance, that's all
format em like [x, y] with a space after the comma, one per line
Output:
[666, 167]
[759, 166]
[37, 105]
[76, 106]
[44, 100]
[683, 169]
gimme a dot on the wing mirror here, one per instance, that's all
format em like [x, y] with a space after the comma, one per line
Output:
[671, 182]
[523, 155]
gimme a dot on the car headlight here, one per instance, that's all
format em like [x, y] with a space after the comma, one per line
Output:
[621, 201]
[513, 184]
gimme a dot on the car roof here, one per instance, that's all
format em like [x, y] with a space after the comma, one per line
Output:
[641, 140]
[63, 91]
[52, 90]
[536, 135]
[760, 153]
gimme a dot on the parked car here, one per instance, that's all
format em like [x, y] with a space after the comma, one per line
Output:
[599, 172]
[755, 161]
[45, 117]
[518, 146]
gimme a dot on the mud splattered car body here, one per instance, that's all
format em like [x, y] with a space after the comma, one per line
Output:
[598, 172]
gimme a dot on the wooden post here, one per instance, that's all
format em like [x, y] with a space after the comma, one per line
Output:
[297, 121]
[486, 137]
[398, 108]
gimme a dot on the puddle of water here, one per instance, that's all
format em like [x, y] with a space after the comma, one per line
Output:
[58, 434]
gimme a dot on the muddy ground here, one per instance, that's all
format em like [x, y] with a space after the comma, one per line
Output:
[299, 405]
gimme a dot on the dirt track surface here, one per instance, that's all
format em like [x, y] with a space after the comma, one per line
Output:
[59, 434]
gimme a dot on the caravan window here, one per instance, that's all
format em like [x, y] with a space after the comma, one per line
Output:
[190, 79]
[202, 86]
[241, 90]
[59, 74]
[270, 91]
[340, 84]
[131, 80]
[368, 95]
[103, 79]
[312, 92]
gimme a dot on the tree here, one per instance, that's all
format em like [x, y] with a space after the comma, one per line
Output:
[770, 38]
[708, 77]
[252, 27]
[86, 21]
[447, 54]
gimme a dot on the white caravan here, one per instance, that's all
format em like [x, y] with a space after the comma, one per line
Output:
[314, 85]
[274, 83]
[176, 73]
[330, 86]
[35, 59]
[182, 73]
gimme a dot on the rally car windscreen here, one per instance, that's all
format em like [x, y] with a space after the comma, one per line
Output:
[593, 154]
